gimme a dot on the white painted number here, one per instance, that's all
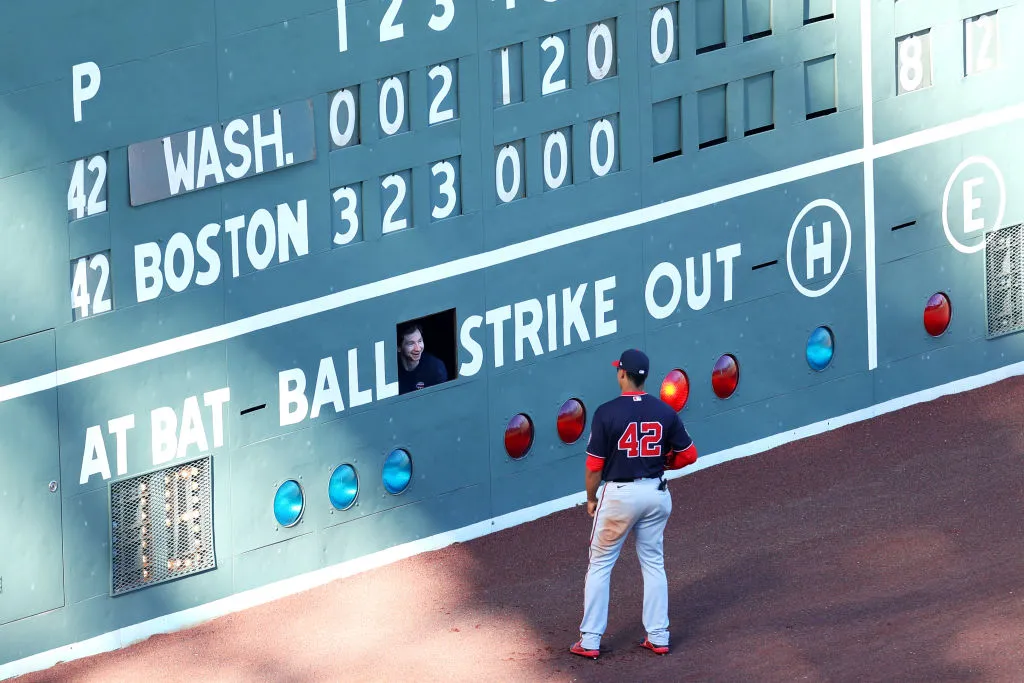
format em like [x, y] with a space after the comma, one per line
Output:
[343, 137]
[602, 128]
[390, 224]
[342, 27]
[662, 16]
[510, 154]
[548, 86]
[349, 213]
[556, 139]
[76, 189]
[389, 30]
[980, 37]
[391, 126]
[911, 63]
[506, 92]
[440, 23]
[447, 189]
[603, 33]
[445, 74]
[80, 286]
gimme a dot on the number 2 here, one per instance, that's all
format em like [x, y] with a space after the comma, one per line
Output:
[646, 446]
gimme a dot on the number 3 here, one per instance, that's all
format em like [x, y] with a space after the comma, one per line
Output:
[647, 446]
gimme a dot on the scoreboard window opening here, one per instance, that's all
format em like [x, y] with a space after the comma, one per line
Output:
[91, 289]
[427, 351]
[818, 10]
[667, 129]
[759, 103]
[87, 187]
[344, 118]
[821, 94]
[709, 23]
[602, 59]
[757, 19]
[711, 116]
[664, 33]
[507, 75]
[913, 62]
[981, 43]
[162, 526]
[393, 104]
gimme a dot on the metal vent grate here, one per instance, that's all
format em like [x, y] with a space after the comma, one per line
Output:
[1004, 296]
[161, 526]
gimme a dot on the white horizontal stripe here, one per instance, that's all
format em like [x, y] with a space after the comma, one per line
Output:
[502, 255]
[263, 594]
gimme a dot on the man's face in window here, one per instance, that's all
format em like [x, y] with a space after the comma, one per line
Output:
[412, 346]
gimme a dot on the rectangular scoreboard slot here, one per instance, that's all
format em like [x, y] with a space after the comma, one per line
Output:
[759, 103]
[393, 104]
[557, 158]
[820, 91]
[343, 123]
[347, 216]
[510, 171]
[602, 57]
[709, 24]
[92, 290]
[757, 19]
[87, 187]
[711, 116]
[507, 75]
[913, 62]
[664, 24]
[666, 129]
[981, 43]
[161, 526]
[819, 10]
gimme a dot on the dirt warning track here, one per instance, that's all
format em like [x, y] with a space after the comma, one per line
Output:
[886, 550]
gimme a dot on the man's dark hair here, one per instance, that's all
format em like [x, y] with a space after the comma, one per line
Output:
[406, 329]
[637, 380]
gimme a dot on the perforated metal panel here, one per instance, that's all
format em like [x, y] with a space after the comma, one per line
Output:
[1003, 280]
[161, 526]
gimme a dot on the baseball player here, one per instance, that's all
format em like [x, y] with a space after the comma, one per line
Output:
[634, 438]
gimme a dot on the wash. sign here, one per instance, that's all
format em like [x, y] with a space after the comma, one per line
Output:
[214, 155]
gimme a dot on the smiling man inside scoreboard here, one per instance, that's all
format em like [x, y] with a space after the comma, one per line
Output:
[417, 368]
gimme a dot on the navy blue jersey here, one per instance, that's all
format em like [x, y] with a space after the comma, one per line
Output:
[428, 372]
[633, 434]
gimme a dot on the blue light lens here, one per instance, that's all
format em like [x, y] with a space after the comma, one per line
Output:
[820, 347]
[288, 503]
[343, 487]
[397, 471]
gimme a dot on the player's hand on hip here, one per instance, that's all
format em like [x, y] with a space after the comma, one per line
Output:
[591, 507]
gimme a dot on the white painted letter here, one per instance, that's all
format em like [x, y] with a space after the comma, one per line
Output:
[81, 92]
[384, 390]
[94, 459]
[692, 299]
[476, 352]
[259, 141]
[603, 327]
[726, 255]
[292, 228]
[119, 427]
[288, 397]
[180, 171]
[524, 331]
[208, 254]
[497, 318]
[356, 396]
[165, 435]
[192, 430]
[147, 267]
[971, 203]
[819, 250]
[327, 389]
[216, 400]
[663, 269]
[572, 315]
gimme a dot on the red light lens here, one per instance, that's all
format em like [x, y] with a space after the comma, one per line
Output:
[518, 436]
[725, 376]
[937, 314]
[572, 417]
[675, 389]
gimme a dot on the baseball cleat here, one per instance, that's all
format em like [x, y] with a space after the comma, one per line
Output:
[577, 649]
[656, 649]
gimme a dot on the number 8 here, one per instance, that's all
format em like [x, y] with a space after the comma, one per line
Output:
[911, 66]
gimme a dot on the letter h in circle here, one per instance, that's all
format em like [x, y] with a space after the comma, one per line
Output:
[819, 250]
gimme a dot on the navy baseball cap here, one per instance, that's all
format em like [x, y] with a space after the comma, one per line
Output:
[633, 360]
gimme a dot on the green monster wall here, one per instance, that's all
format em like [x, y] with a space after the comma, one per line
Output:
[216, 214]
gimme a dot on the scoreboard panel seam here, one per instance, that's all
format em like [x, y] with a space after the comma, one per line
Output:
[501, 255]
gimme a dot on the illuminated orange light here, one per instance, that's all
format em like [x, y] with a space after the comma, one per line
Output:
[675, 389]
